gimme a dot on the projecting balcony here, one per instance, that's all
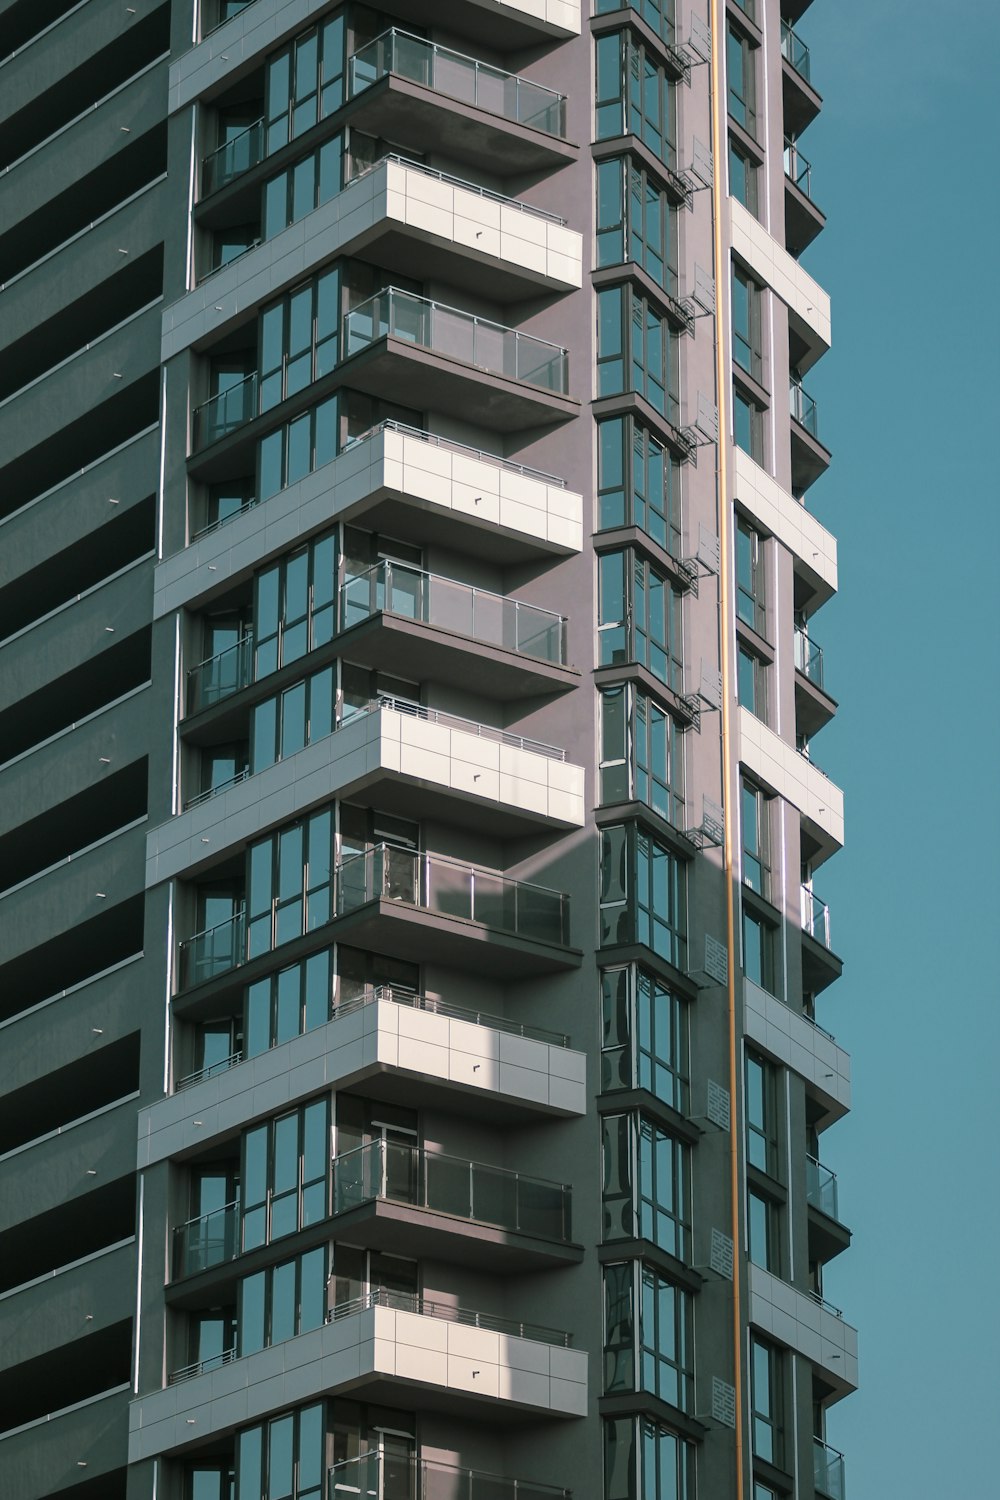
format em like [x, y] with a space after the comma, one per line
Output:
[405, 88]
[423, 626]
[810, 458]
[407, 1201]
[800, 101]
[803, 220]
[391, 1349]
[234, 157]
[797, 1042]
[827, 1234]
[374, 1474]
[494, 375]
[828, 1471]
[820, 964]
[793, 776]
[814, 706]
[808, 1325]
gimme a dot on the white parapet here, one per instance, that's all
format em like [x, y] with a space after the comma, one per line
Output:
[806, 1049]
[811, 1328]
[790, 775]
[808, 305]
[787, 519]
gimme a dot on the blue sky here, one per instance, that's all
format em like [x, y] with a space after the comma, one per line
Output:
[903, 167]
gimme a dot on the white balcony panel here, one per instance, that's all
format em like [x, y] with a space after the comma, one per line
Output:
[382, 1036]
[801, 1323]
[407, 1354]
[451, 483]
[786, 518]
[791, 1039]
[808, 305]
[381, 743]
[391, 197]
[790, 775]
[265, 24]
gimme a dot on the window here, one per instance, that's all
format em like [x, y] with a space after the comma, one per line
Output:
[645, 1036]
[635, 222]
[645, 1184]
[305, 82]
[639, 617]
[293, 718]
[755, 825]
[286, 1169]
[643, 893]
[748, 426]
[751, 682]
[282, 1459]
[299, 338]
[641, 755]
[762, 1232]
[294, 605]
[759, 940]
[647, 1334]
[286, 1004]
[740, 67]
[282, 1301]
[310, 182]
[638, 482]
[290, 882]
[766, 1398]
[207, 1481]
[750, 585]
[636, 351]
[746, 322]
[296, 448]
[657, 14]
[644, 1461]
[635, 96]
[742, 177]
[761, 1114]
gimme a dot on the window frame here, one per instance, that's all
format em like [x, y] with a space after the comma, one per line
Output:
[637, 350]
[746, 295]
[639, 1010]
[643, 216]
[625, 883]
[642, 753]
[742, 91]
[767, 1405]
[653, 1317]
[640, 1157]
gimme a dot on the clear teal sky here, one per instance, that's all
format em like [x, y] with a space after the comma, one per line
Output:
[905, 165]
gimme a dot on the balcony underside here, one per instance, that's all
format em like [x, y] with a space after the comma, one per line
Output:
[820, 966]
[387, 926]
[800, 101]
[814, 708]
[803, 220]
[399, 1229]
[827, 1237]
[810, 458]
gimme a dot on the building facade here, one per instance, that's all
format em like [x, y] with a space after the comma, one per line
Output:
[409, 948]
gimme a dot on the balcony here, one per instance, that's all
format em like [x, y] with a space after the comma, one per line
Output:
[373, 1474]
[808, 1325]
[827, 1234]
[407, 1201]
[814, 707]
[405, 88]
[815, 917]
[795, 51]
[220, 676]
[810, 458]
[820, 965]
[796, 1041]
[808, 658]
[224, 413]
[791, 775]
[828, 1471]
[389, 1349]
[803, 220]
[210, 1240]
[493, 374]
[424, 626]
[800, 101]
[234, 157]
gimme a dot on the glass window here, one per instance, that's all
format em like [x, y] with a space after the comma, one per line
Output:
[755, 826]
[748, 426]
[638, 482]
[286, 1171]
[283, 1300]
[766, 1398]
[286, 1004]
[647, 1334]
[290, 452]
[645, 1038]
[750, 584]
[290, 875]
[299, 338]
[646, 1461]
[637, 351]
[762, 1232]
[635, 222]
[751, 682]
[746, 296]
[296, 717]
[635, 96]
[639, 617]
[759, 940]
[304, 82]
[742, 177]
[643, 893]
[740, 72]
[294, 605]
[641, 754]
[657, 14]
[762, 1114]
[645, 1184]
[282, 1459]
[310, 182]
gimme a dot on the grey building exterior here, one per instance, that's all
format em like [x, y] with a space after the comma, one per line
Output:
[410, 1079]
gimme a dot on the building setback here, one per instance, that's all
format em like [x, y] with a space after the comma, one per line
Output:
[410, 1078]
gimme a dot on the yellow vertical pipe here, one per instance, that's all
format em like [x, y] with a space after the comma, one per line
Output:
[719, 154]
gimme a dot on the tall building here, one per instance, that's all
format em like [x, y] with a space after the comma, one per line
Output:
[409, 947]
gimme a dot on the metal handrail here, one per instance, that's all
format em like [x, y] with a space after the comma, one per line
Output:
[202, 1366]
[452, 1012]
[795, 50]
[815, 917]
[412, 1302]
[803, 408]
[391, 425]
[828, 1470]
[190, 1079]
[797, 169]
[232, 158]
[224, 412]
[196, 536]
[821, 1188]
[213, 791]
[200, 695]
[487, 87]
[808, 657]
[460, 182]
[363, 1476]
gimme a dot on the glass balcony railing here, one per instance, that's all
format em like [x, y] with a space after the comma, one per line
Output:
[797, 169]
[459, 335]
[384, 1476]
[454, 1012]
[803, 409]
[208, 1241]
[232, 158]
[221, 675]
[458, 77]
[451, 1185]
[828, 1471]
[815, 917]
[397, 589]
[451, 888]
[795, 50]
[809, 658]
[821, 1188]
[213, 951]
[426, 1307]
[223, 413]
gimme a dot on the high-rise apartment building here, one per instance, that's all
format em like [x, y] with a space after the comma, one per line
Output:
[410, 1081]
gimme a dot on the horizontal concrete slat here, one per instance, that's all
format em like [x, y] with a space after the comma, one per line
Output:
[59, 1310]
[70, 1027]
[41, 1460]
[61, 1168]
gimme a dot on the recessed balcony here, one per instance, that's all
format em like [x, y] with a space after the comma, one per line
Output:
[800, 101]
[793, 776]
[803, 220]
[820, 964]
[373, 1474]
[810, 458]
[828, 1236]
[405, 88]
[388, 1348]
[814, 707]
